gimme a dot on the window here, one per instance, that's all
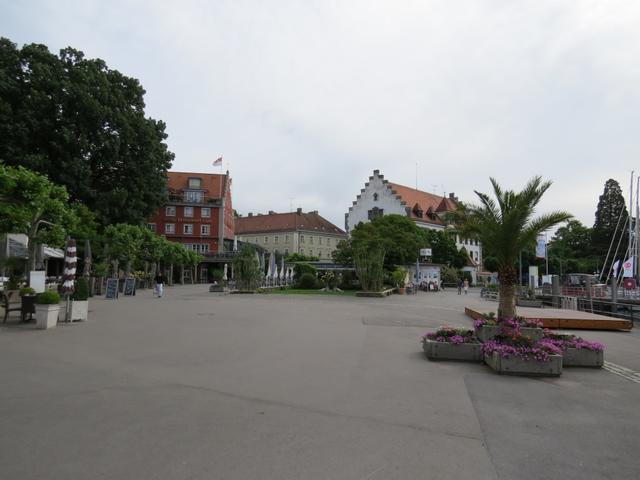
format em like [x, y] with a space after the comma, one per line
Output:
[188, 211]
[286, 239]
[193, 197]
[319, 240]
[286, 251]
[311, 240]
[188, 246]
[170, 211]
[275, 239]
[375, 197]
[375, 212]
[204, 247]
[256, 240]
[311, 253]
[195, 182]
[266, 239]
[151, 226]
[205, 229]
[169, 228]
[205, 212]
[302, 251]
[301, 238]
[188, 228]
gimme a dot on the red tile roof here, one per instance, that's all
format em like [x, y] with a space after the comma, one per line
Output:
[211, 183]
[281, 222]
[427, 202]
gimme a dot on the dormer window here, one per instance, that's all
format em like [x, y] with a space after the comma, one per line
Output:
[195, 183]
[375, 197]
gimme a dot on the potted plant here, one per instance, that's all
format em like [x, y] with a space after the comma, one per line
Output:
[576, 351]
[80, 300]
[399, 276]
[47, 308]
[449, 343]
[28, 297]
[519, 355]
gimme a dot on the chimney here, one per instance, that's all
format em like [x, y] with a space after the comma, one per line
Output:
[376, 172]
[299, 211]
[453, 197]
[271, 212]
[250, 214]
[314, 212]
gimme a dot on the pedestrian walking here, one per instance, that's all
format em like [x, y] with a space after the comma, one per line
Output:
[460, 287]
[466, 286]
[160, 284]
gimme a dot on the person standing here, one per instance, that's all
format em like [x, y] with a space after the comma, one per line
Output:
[466, 286]
[459, 287]
[160, 284]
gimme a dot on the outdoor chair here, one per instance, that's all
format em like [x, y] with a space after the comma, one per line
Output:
[11, 302]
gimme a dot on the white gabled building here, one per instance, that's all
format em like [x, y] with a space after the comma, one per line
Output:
[382, 197]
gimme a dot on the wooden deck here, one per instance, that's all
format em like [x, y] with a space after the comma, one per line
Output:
[558, 318]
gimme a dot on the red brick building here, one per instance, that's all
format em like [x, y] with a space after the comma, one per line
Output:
[198, 213]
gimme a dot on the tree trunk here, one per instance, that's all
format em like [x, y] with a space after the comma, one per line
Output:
[171, 274]
[508, 280]
[181, 274]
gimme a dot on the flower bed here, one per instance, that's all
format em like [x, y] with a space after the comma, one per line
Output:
[576, 351]
[448, 343]
[487, 328]
[519, 355]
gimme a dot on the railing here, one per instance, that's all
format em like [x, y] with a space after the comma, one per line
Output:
[601, 306]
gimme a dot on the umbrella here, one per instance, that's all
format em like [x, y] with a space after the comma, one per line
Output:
[269, 270]
[282, 273]
[70, 262]
[235, 244]
[272, 265]
[87, 259]
[224, 273]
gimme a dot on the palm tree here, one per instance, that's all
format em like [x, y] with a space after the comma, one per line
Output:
[505, 226]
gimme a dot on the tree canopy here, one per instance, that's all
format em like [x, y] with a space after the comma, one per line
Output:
[84, 126]
[610, 222]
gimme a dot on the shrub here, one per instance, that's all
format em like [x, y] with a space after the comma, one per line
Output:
[399, 277]
[330, 281]
[25, 291]
[307, 281]
[302, 268]
[349, 281]
[81, 291]
[369, 268]
[217, 275]
[48, 298]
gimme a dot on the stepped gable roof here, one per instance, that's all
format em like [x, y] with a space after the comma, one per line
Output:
[428, 202]
[283, 222]
[213, 184]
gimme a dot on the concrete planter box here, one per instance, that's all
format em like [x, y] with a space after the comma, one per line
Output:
[488, 332]
[469, 352]
[47, 316]
[79, 311]
[582, 357]
[518, 366]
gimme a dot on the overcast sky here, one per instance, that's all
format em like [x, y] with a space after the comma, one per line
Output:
[306, 98]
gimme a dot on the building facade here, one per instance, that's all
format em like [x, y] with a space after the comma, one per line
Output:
[287, 233]
[382, 197]
[198, 213]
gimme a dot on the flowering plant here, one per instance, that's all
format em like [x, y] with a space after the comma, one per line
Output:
[564, 341]
[451, 335]
[523, 348]
[507, 323]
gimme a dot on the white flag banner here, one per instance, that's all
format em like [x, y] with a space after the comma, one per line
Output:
[616, 267]
[628, 267]
[541, 247]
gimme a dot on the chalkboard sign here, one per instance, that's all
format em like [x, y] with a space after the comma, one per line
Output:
[130, 286]
[112, 288]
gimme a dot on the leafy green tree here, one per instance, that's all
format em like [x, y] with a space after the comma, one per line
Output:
[369, 263]
[33, 205]
[570, 250]
[84, 126]
[247, 267]
[123, 245]
[507, 225]
[444, 249]
[343, 254]
[298, 257]
[609, 226]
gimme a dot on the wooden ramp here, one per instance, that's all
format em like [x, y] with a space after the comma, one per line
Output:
[558, 318]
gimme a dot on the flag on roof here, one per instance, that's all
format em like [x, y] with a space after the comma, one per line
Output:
[217, 162]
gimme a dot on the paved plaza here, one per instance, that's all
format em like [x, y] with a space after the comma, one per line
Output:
[204, 386]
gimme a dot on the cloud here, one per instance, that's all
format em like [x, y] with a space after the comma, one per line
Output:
[305, 99]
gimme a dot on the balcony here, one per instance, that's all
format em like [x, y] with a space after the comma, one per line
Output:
[181, 199]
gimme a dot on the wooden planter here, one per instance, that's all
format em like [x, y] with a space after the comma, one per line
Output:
[517, 366]
[582, 357]
[488, 332]
[468, 352]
